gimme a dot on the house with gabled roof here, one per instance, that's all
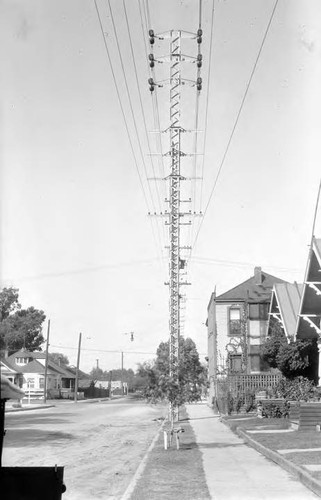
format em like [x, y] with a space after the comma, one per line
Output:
[297, 307]
[28, 371]
[308, 325]
[237, 324]
[10, 371]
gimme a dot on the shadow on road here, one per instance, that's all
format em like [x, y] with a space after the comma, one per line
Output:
[39, 419]
[25, 437]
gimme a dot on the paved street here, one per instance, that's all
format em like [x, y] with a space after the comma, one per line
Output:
[100, 444]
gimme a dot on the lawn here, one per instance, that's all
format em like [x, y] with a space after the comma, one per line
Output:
[282, 440]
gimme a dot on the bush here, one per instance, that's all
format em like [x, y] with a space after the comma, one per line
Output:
[273, 409]
[236, 401]
[297, 389]
[250, 401]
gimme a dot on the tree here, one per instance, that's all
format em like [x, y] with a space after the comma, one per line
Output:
[19, 328]
[8, 302]
[294, 357]
[273, 344]
[98, 374]
[58, 358]
[160, 385]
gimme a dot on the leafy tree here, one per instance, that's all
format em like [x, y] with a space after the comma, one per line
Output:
[58, 358]
[127, 375]
[298, 358]
[293, 358]
[273, 344]
[19, 327]
[160, 385]
[98, 374]
[9, 302]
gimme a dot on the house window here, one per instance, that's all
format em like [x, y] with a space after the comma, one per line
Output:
[259, 311]
[236, 363]
[22, 361]
[31, 383]
[41, 383]
[234, 322]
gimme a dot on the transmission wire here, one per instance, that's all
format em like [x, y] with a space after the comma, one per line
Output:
[237, 119]
[124, 116]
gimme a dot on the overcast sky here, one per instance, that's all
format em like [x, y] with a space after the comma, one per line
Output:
[75, 235]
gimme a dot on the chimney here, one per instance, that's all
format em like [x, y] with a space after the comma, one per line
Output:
[4, 353]
[258, 275]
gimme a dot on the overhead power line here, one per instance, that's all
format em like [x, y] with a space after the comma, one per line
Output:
[142, 111]
[120, 103]
[237, 119]
[83, 270]
[231, 263]
[124, 118]
[110, 351]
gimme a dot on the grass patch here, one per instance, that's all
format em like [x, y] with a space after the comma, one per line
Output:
[174, 473]
[283, 441]
[252, 423]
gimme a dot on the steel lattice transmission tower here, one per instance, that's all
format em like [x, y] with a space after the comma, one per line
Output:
[175, 177]
[174, 227]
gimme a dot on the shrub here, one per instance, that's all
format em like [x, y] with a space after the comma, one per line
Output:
[273, 409]
[297, 389]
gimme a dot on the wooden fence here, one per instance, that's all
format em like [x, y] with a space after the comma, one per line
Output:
[245, 383]
[242, 388]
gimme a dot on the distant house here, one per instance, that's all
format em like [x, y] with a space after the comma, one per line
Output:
[237, 324]
[27, 370]
[11, 372]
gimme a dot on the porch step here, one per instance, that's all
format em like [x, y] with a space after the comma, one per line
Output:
[310, 416]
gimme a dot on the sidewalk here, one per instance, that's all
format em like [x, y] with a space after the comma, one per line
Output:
[233, 470]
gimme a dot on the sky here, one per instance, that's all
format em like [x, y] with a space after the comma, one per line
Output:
[80, 137]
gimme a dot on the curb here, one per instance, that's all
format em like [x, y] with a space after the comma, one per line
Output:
[15, 410]
[296, 471]
[42, 407]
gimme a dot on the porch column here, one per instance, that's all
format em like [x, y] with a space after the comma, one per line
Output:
[319, 365]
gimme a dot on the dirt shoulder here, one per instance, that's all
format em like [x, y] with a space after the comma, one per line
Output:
[173, 473]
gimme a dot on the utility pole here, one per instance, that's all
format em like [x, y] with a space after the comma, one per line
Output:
[97, 364]
[46, 365]
[174, 215]
[77, 368]
[110, 385]
[122, 374]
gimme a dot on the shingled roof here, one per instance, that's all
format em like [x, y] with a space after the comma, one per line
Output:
[36, 366]
[256, 289]
[285, 305]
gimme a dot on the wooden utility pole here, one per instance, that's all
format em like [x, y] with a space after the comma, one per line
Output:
[46, 365]
[77, 368]
[122, 373]
[110, 380]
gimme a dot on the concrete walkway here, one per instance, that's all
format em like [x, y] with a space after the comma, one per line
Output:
[235, 471]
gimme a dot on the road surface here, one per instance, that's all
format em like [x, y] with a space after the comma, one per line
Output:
[100, 444]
